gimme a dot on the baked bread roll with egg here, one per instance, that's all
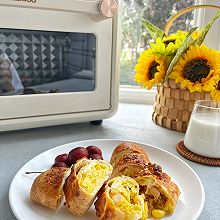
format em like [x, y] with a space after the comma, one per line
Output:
[120, 200]
[47, 188]
[128, 159]
[160, 192]
[86, 179]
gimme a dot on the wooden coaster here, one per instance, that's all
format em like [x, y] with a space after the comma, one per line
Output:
[183, 151]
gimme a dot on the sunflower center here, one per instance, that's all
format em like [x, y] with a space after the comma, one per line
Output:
[152, 69]
[196, 69]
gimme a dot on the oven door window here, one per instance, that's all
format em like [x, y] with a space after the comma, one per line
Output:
[39, 62]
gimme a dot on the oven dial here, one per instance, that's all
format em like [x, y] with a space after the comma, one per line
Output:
[108, 8]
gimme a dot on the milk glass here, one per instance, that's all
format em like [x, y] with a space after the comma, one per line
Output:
[203, 132]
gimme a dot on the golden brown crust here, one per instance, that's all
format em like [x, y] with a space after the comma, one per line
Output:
[128, 146]
[47, 188]
[128, 159]
[78, 200]
[129, 165]
[127, 149]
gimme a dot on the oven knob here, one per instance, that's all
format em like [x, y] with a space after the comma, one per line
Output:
[108, 8]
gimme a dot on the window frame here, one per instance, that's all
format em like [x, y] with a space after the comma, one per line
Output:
[137, 95]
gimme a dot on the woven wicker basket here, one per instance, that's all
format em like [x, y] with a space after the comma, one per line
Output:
[174, 105]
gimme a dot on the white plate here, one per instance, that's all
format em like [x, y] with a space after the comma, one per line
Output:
[189, 206]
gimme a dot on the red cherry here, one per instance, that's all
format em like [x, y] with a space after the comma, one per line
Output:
[96, 157]
[77, 153]
[93, 150]
[61, 158]
[68, 163]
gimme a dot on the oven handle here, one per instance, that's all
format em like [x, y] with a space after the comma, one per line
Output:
[107, 8]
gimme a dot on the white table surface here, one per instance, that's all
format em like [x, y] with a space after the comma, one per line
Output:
[131, 122]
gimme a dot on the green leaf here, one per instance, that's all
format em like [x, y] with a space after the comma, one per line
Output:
[182, 49]
[153, 30]
[192, 30]
[202, 36]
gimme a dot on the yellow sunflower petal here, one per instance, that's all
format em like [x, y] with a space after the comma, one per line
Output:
[168, 45]
[181, 35]
[215, 94]
[215, 91]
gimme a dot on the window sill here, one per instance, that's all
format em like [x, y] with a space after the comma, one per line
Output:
[134, 94]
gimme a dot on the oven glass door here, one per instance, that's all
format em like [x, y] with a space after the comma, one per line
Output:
[53, 62]
[39, 62]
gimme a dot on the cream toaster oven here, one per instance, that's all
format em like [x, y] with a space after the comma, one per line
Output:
[58, 62]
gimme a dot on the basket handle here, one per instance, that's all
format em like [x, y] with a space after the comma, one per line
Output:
[184, 11]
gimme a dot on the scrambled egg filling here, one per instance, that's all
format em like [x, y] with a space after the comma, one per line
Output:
[92, 179]
[145, 212]
[126, 198]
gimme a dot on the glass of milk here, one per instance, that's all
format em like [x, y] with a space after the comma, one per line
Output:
[203, 133]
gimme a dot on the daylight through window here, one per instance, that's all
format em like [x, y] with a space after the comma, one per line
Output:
[134, 36]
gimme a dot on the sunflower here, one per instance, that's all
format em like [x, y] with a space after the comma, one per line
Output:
[198, 69]
[150, 69]
[168, 45]
[215, 93]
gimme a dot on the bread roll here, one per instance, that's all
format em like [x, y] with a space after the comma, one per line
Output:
[120, 200]
[161, 193]
[47, 188]
[128, 159]
[86, 179]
